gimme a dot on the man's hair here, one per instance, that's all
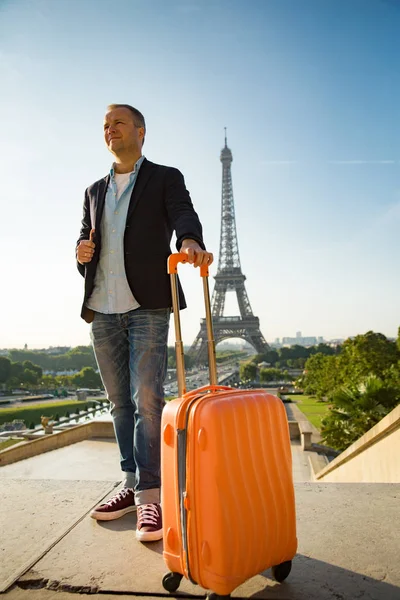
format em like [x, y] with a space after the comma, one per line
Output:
[138, 118]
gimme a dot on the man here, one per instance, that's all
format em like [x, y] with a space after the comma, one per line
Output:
[128, 220]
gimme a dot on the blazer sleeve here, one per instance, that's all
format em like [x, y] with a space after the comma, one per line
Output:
[180, 210]
[86, 226]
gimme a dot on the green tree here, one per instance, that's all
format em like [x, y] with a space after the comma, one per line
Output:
[323, 349]
[271, 375]
[230, 356]
[257, 358]
[74, 359]
[356, 409]
[320, 375]
[271, 357]
[29, 377]
[16, 371]
[22, 355]
[49, 382]
[5, 369]
[81, 350]
[367, 354]
[189, 361]
[171, 357]
[79, 357]
[248, 371]
[299, 363]
[298, 351]
[87, 378]
[284, 355]
[27, 364]
[66, 380]
[392, 375]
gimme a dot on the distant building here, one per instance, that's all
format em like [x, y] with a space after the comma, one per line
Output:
[263, 365]
[55, 350]
[298, 340]
[65, 372]
[335, 342]
[50, 350]
[239, 346]
[301, 341]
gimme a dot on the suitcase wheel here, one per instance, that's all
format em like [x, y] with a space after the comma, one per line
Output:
[280, 572]
[171, 581]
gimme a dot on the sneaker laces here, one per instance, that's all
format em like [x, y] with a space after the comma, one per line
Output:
[148, 514]
[123, 493]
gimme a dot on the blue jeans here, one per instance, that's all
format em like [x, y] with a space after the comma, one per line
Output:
[131, 353]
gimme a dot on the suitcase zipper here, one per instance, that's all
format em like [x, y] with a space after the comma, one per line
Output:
[182, 449]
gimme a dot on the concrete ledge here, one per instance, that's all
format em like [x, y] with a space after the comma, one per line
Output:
[101, 429]
[305, 434]
[326, 450]
[317, 463]
[386, 427]
[294, 430]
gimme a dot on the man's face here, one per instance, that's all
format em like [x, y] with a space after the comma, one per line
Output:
[120, 133]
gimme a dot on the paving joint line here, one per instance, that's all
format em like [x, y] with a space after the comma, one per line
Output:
[15, 577]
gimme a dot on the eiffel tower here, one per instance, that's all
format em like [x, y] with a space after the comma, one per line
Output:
[229, 277]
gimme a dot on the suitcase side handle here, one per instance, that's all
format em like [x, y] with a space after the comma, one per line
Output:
[172, 268]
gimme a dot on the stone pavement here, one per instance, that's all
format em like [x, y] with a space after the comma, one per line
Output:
[300, 463]
[348, 548]
[348, 535]
[98, 460]
[94, 459]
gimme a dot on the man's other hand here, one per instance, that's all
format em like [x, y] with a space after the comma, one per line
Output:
[85, 249]
[196, 255]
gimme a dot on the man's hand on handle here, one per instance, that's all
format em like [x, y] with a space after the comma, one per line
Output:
[196, 255]
[85, 249]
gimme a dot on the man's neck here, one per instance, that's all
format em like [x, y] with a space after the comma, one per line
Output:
[125, 164]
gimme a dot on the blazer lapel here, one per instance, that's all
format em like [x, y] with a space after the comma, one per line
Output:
[144, 175]
[100, 200]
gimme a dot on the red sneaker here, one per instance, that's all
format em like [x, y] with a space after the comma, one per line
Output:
[149, 523]
[119, 505]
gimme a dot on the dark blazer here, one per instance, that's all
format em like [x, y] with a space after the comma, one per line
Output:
[160, 204]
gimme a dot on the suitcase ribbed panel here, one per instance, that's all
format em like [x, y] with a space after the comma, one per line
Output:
[241, 498]
[241, 513]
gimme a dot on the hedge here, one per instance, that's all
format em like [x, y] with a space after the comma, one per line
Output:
[32, 414]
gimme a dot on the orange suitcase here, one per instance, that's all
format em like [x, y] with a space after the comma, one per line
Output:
[227, 489]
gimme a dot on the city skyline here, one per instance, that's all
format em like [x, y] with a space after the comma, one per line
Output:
[279, 341]
[309, 94]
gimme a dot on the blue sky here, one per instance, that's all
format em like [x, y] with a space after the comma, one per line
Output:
[310, 94]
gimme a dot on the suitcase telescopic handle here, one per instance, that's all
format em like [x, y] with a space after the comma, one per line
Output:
[173, 261]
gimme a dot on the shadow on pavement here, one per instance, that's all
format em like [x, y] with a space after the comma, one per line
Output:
[312, 579]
